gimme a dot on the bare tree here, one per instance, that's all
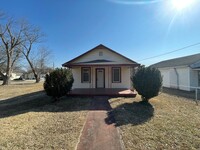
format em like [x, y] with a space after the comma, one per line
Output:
[2, 58]
[32, 36]
[42, 59]
[2, 53]
[18, 38]
[11, 37]
[2, 62]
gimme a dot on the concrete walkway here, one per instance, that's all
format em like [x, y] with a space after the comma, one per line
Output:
[99, 132]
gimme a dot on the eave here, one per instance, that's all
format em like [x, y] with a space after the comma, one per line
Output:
[94, 65]
[66, 64]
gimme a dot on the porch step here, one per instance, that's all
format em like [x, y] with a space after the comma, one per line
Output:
[115, 92]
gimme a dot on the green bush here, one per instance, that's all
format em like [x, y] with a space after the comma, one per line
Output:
[147, 81]
[58, 83]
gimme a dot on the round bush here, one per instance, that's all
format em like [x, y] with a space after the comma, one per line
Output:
[58, 83]
[147, 81]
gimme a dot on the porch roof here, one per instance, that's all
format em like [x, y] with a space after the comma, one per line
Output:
[98, 64]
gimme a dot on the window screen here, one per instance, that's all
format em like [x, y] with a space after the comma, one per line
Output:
[116, 74]
[85, 74]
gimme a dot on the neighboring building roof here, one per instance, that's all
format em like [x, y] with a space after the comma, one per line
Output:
[192, 61]
[98, 61]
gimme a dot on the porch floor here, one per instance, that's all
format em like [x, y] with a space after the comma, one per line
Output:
[116, 92]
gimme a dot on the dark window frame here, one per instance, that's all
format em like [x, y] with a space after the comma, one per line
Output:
[82, 78]
[113, 68]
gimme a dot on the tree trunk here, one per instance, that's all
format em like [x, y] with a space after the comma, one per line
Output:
[37, 78]
[144, 99]
[36, 75]
[6, 80]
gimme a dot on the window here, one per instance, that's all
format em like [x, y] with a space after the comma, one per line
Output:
[85, 75]
[116, 74]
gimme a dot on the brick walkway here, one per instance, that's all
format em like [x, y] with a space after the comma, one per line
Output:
[99, 132]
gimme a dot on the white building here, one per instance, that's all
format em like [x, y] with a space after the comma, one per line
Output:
[14, 76]
[180, 73]
[30, 76]
[101, 67]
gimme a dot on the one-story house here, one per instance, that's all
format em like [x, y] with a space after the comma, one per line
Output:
[101, 67]
[13, 76]
[31, 76]
[180, 73]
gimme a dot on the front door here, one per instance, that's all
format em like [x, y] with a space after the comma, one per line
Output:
[100, 78]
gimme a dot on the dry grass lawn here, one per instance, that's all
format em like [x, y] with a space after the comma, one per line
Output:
[18, 88]
[168, 122]
[40, 124]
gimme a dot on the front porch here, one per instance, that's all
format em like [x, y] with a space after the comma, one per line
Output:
[114, 92]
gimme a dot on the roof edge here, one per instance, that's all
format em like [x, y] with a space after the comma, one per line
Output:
[157, 65]
[98, 46]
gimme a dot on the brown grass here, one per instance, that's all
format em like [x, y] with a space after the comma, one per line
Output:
[169, 122]
[40, 124]
[18, 88]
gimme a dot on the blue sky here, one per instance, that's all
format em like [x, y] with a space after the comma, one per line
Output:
[136, 30]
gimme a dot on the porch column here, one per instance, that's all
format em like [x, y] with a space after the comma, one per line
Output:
[91, 84]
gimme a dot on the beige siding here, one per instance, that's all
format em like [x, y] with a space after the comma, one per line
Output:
[107, 55]
[125, 78]
[77, 79]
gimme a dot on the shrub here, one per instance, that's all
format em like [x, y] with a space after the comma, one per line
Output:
[58, 83]
[147, 81]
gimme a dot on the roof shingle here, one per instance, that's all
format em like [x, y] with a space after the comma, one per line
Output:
[182, 61]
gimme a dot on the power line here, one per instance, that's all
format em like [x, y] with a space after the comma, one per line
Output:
[171, 51]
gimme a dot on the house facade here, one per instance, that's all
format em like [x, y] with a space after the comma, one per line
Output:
[101, 67]
[181, 73]
[13, 76]
[31, 76]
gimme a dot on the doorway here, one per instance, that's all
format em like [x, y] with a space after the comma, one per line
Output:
[100, 78]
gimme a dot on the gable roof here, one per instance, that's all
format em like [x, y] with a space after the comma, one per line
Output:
[190, 61]
[101, 46]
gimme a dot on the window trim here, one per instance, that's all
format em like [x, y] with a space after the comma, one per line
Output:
[82, 81]
[113, 74]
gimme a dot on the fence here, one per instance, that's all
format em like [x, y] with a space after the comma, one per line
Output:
[186, 88]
